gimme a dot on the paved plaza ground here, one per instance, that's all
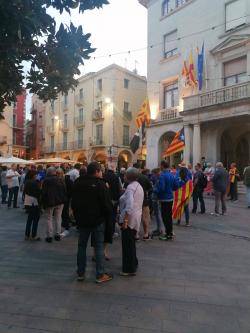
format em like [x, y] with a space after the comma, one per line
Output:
[198, 283]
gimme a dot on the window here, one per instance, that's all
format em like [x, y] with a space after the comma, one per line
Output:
[165, 7]
[81, 115]
[14, 138]
[65, 121]
[171, 96]
[80, 138]
[52, 104]
[170, 44]
[126, 135]
[99, 129]
[126, 83]
[65, 140]
[52, 143]
[170, 5]
[99, 105]
[81, 93]
[235, 71]
[52, 124]
[126, 107]
[235, 14]
[99, 84]
[65, 99]
[14, 120]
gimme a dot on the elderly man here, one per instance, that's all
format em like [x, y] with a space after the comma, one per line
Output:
[220, 183]
[12, 177]
[53, 198]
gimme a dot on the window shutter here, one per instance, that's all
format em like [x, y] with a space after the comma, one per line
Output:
[235, 14]
[236, 66]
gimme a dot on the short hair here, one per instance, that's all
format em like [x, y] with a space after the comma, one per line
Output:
[164, 164]
[198, 165]
[60, 172]
[93, 167]
[145, 172]
[83, 171]
[77, 166]
[132, 174]
[51, 171]
[219, 165]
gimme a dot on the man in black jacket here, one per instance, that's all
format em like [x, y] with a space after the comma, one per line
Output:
[92, 205]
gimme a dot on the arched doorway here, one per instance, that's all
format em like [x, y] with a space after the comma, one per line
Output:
[124, 159]
[242, 153]
[227, 149]
[163, 145]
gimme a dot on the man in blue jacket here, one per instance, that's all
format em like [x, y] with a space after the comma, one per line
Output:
[167, 184]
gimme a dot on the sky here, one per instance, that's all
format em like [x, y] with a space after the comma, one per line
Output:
[120, 26]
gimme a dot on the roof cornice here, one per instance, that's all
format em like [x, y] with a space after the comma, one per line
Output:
[144, 3]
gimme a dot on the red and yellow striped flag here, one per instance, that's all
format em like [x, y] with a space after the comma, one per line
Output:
[181, 198]
[192, 73]
[177, 144]
[144, 114]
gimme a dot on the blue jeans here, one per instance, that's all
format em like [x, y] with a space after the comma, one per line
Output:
[4, 189]
[98, 234]
[13, 192]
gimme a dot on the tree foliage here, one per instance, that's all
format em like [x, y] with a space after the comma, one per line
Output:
[28, 33]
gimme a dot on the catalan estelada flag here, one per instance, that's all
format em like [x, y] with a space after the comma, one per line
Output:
[177, 144]
[192, 74]
[185, 73]
[181, 198]
[144, 114]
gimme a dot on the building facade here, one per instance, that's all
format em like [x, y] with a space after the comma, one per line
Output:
[18, 124]
[35, 129]
[96, 121]
[216, 119]
[6, 132]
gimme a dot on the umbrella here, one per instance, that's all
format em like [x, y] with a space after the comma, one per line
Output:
[53, 160]
[13, 159]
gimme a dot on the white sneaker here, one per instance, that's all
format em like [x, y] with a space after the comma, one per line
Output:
[65, 233]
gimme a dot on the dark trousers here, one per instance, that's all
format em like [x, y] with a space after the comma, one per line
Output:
[186, 212]
[234, 191]
[84, 234]
[166, 214]
[220, 197]
[114, 215]
[129, 258]
[65, 216]
[4, 189]
[32, 221]
[13, 193]
[198, 195]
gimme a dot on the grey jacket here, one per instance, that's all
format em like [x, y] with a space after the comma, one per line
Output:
[220, 180]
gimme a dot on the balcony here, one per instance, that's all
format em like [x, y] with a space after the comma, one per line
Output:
[79, 100]
[97, 114]
[79, 121]
[64, 127]
[81, 144]
[217, 97]
[64, 146]
[127, 115]
[98, 142]
[3, 140]
[169, 114]
[51, 130]
[49, 149]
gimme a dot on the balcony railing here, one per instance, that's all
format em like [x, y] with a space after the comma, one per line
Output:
[98, 142]
[168, 114]
[3, 140]
[81, 144]
[97, 114]
[65, 106]
[49, 149]
[79, 121]
[216, 97]
[51, 129]
[79, 100]
[64, 146]
[127, 115]
[64, 126]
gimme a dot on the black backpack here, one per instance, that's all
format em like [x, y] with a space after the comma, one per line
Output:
[203, 181]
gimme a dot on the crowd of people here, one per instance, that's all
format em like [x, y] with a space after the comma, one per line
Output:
[103, 203]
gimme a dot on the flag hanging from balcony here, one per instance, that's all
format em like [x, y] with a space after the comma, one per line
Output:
[178, 144]
[185, 74]
[144, 114]
[200, 67]
[135, 142]
[192, 74]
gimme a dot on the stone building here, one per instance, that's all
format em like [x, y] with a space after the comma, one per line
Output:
[18, 125]
[6, 132]
[216, 119]
[97, 120]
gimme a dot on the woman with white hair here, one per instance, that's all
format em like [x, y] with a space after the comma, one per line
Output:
[130, 219]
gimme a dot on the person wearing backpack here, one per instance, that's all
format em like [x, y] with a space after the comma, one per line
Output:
[200, 183]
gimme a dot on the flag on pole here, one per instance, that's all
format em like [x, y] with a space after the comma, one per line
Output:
[181, 198]
[192, 74]
[178, 144]
[135, 142]
[200, 67]
[185, 73]
[144, 114]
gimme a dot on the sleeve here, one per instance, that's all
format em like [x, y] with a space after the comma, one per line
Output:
[105, 200]
[129, 202]
[160, 186]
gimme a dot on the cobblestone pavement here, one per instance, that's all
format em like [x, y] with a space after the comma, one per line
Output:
[198, 283]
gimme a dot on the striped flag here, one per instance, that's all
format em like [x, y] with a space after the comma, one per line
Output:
[144, 114]
[192, 74]
[181, 198]
[178, 144]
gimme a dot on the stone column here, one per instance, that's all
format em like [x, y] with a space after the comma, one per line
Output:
[187, 150]
[197, 144]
